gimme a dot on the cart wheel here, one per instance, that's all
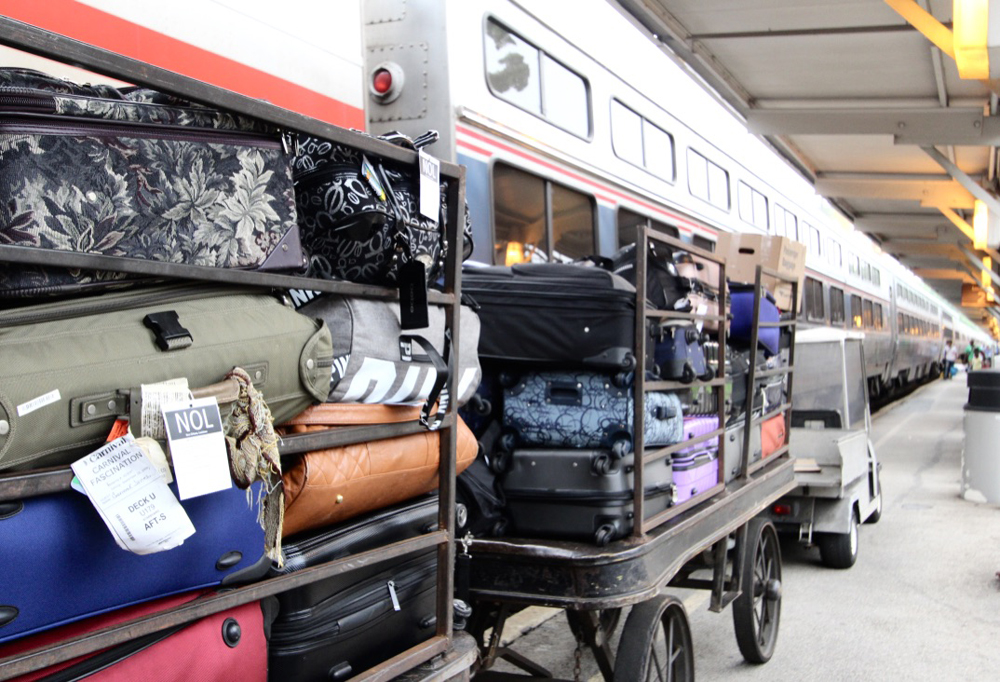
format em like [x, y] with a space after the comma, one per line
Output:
[757, 610]
[655, 643]
[839, 550]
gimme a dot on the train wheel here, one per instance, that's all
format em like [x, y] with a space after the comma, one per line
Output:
[656, 643]
[757, 611]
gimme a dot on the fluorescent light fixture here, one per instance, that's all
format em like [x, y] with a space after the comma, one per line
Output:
[980, 224]
[987, 280]
[971, 22]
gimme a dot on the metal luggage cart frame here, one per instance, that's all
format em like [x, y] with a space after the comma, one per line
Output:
[593, 583]
[441, 657]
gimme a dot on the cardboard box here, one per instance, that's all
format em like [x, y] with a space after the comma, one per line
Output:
[744, 252]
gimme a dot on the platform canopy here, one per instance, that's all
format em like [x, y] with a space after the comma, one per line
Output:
[890, 107]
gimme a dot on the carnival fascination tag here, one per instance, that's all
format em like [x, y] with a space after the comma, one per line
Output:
[132, 498]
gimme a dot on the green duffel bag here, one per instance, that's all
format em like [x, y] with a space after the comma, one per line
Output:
[69, 369]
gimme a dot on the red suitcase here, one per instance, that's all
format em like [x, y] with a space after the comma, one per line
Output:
[226, 646]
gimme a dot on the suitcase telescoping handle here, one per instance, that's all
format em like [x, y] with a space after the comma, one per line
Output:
[564, 393]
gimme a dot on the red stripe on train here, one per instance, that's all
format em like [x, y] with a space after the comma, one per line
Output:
[101, 29]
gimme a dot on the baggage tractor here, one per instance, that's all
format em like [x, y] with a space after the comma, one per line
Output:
[71, 368]
[62, 563]
[340, 626]
[137, 173]
[556, 314]
[583, 410]
[579, 494]
[768, 338]
[225, 646]
[679, 354]
[696, 472]
[327, 486]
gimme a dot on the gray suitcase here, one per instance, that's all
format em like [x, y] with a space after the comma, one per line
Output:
[734, 448]
[580, 494]
[584, 410]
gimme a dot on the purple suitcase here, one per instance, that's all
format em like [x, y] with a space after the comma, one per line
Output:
[695, 426]
[695, 473]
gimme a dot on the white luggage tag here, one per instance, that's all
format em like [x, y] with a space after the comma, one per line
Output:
[197, 447]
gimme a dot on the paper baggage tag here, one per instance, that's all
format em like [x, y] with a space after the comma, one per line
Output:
[430, 185]
[154, 397]
[701, 310]
[132, 498]
[197, 447]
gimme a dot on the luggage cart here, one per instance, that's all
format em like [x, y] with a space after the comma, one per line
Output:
[716, 531]
[444, 656]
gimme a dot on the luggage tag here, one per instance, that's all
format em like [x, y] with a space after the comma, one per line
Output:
[413, 296]
[430, 185]
[150, 447]
[132, 498]
[197, 447]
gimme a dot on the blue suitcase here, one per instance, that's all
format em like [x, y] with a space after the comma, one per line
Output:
[741, 307]
[61, 564]
[583, 410]
[679, 353]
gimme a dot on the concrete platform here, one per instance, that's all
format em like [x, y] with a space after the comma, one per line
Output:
[922, 602]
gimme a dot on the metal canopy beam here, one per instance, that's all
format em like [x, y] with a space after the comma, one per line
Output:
[928, 192]
[907, 126]
[967, 182]
[936, 273]
[976, 261]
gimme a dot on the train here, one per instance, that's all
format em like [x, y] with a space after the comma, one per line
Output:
[569, 141]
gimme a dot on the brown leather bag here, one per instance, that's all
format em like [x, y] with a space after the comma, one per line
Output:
[323, 487]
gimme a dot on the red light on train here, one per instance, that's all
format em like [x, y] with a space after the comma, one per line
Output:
[382, 81]
[782, 509]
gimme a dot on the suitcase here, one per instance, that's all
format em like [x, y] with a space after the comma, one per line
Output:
[554, 314]
[695, 473]
[579, 494]
[695, 426]
[222, 647]
[740, 327]
[772, 435]
[702, 278]
[69, 367]
[678, 353]
[62, 564]
[734, 447]
[339, 627]
[327, 486]
[376, 362]
[769, 388]
[584, 410]
[137, 173]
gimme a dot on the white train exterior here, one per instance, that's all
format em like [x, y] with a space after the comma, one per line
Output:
[573, 123]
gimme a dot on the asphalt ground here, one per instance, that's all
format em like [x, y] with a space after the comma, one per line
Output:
[921, 603]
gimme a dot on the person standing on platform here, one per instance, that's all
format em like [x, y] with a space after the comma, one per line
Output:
[977, 360]
[950, 355]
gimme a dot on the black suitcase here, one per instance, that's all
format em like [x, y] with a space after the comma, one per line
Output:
[580, 494]
[137, 173]
[559, 314]
[335, 628]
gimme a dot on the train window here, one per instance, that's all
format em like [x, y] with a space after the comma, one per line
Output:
[878, 316]
[814, 299]
[530, 213]
[876, 277]
[703, 242]
[629, 222]
[814, 239]
[901, 323]
[753, 205]
[866, 307]
[525, 76]
[857, 321]
[785, 223]
[866, 272]
[641, 143]
[837, 315]
[707, 180]
[658, 151]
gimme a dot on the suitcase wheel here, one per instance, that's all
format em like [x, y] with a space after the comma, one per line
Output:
[688, 375]
[709, 375]
[622, 379]
[500, 461]
[480, 405]
[622, 446]
[499, 528]
[604, 535]
[507, 380]
[691, 335]
[629, 363]
[507, 441]
[601, 465]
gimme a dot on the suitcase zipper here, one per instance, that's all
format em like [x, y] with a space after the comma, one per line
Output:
[23, 99]
[108, 303]
[40, 124]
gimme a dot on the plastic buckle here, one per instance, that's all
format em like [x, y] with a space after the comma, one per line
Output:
[170, 335]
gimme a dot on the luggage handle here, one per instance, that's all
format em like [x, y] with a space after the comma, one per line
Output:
[439, 392]
[564, 393]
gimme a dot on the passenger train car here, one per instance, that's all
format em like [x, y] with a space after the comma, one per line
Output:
[570, 142]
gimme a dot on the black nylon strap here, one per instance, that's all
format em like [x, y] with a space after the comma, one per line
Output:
[439, 392]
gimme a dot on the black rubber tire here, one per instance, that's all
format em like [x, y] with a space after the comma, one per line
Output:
[839, 550]
[628, 363]
[604, 535]
[500, 461]
[757, 611]
[655, 643]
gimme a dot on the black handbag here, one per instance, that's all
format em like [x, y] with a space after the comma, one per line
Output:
[359, 216]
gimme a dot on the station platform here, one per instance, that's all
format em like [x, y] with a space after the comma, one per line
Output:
[921, 603]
